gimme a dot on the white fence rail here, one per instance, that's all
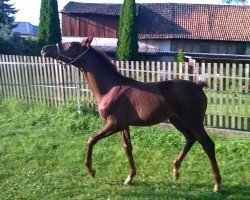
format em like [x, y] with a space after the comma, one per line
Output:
[39, 79]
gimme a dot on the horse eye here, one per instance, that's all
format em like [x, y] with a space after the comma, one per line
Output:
[70, 45]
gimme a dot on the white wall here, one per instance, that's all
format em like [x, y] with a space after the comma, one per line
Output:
[162, 45]
[144, 45]
[96, 41]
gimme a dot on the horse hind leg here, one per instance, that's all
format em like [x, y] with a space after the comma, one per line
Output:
[128, 149]
[209, 148]
[207, 144]
[190, 140]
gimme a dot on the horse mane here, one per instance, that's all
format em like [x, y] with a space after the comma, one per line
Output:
[104, 58]
[107, 62]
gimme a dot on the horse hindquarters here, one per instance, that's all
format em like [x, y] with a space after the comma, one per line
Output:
[193, 130]
[192, 104]
[196, 128]
[199, 132]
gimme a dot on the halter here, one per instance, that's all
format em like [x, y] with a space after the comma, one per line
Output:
[71, 60]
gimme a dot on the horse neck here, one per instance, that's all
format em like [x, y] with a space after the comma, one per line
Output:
[99, 73]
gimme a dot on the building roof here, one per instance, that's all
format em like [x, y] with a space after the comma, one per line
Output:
[195, 21]
[92, 8]
[25, 28]
[186, 21]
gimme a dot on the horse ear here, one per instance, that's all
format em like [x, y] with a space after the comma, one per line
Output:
[88, 41]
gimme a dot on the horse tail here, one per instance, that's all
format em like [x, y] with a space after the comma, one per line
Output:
[202, 84]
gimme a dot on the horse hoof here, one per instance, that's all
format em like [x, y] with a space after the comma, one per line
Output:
[92, 173]
[127, 181]
[216, 188]
[176, 176]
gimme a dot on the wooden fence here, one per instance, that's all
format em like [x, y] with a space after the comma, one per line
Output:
[39, 79]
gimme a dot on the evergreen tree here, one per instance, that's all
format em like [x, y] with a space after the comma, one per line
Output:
[49, 26]
[12, 43]
[180, 57]
[127, 45]
[7, 12]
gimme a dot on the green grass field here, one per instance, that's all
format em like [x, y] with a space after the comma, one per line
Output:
[42, 149]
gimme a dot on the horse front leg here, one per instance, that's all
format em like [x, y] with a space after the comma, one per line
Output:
[106, 131]
[128, 149]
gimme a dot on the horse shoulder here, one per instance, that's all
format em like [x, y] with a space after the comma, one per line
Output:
[111, 101]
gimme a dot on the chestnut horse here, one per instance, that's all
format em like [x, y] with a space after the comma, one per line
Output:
[123, 102]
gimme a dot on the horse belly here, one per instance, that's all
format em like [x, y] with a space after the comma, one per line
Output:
[149, 111]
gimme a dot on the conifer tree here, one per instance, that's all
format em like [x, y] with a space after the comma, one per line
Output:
[127, 45]
[7, 12]
[180, 57]
[49, 26]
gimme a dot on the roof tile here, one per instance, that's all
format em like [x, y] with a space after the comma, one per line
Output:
[187, 21]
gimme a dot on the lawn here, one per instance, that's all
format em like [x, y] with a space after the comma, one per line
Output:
[42, 149]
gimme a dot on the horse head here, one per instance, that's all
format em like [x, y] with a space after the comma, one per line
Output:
[69, 52]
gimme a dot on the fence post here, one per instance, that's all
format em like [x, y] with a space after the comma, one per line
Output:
[2, 87]
[186, 74]
[163, 71]
[78, 90]
[233, 95]
[153, 71]
[246, 100]
[215, 94]
[227, 121]
[169, 70]
[147, 70]
[240, 76]
[221, 77]
[209, 92]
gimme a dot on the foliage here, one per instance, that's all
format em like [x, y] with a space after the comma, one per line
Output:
[127, 45]
[7, 12]
[7, 18]
[12, 43]
[42, 149]
[49, 26]
[180, 57]
[17, 45]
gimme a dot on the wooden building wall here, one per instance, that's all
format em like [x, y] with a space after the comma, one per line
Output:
[87, 25]
[206, 46]
[105, 26]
